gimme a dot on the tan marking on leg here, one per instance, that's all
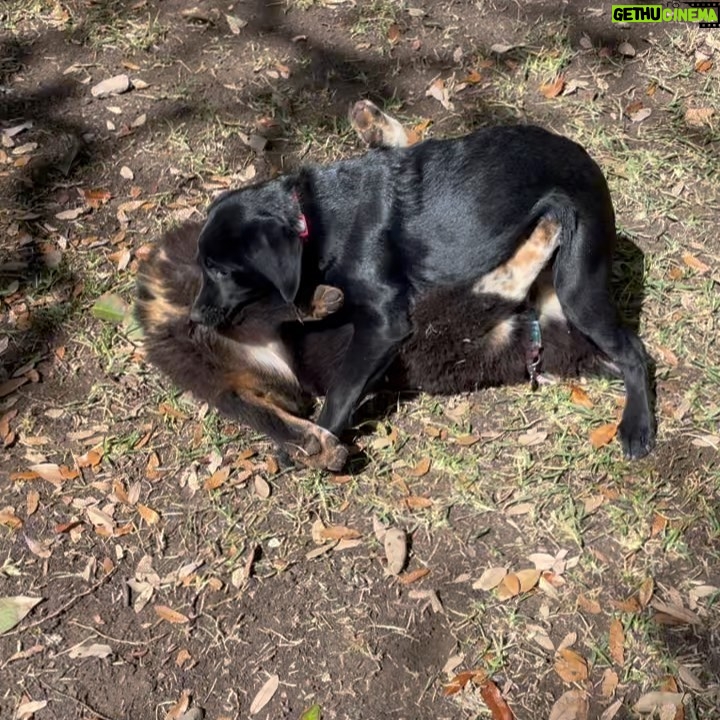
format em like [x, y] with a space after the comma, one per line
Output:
[513, 279]
[501, 335]
[547, 305]
[376, 128]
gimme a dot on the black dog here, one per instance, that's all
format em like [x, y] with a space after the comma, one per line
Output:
[394, 224]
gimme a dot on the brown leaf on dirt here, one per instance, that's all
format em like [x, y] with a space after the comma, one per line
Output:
[393, 34]
[672, 614]
[659, 524]
[31, 502]
[149, 515]
[96, 197]
[579, 397]
[265, 694]
[532, 437]
[8, 518]
[495, 701]
[467, 440]
[339, 532]
[528, 579]
[91, 458]
[697, 117]
[151, 469]
[413, 576]
[571, 666]
[100, 519]
[572, 705]
[646, 591]
[438, 91]
[417, 502]
[509, 587]
[460, 680]
[692, 262]
[554, 88]
[490, 579]
[422, 468]
[271, 465]
[616, 642]
[217, 479]
[603, 435]
[26, 710]
[589, 605]
[182, 657]
[170, 615]
[179, 707]
[395, 544]
[653, 701]
[610, 681]
[262, 487]
[43, 549]
[703, 66]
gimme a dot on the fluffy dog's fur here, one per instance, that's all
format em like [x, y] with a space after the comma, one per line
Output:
[396, 226]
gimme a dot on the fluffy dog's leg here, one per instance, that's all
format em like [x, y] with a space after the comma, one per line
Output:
[376, 128]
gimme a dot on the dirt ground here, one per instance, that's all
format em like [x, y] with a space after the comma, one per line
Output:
[179, 572]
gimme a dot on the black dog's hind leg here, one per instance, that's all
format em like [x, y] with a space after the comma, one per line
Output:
[582, 282]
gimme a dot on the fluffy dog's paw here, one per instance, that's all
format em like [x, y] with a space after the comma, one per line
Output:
[326, 301]
[320, 450]
[374, 127]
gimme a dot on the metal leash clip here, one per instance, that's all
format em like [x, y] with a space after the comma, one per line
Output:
[534, 354]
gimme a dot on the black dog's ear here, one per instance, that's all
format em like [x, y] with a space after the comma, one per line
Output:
[279, 257]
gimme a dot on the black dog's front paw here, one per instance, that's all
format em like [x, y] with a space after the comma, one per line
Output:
[637, 436]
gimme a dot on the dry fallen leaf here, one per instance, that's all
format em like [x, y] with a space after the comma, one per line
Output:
[395, 550]
[653, 701]
[645, 592]
[509, 587]
[262, 487]
[149, 515]
[703, 66]
[217, 479]
[589, 605]
[603, 435]
[438, 91]
[617, 642]
[413, 576]
[554, 88]
[495, 701]
[339, 532]
[528, 579]
[697, 117]
[532, 437]
[692, 262]
[32, 501]
[265, 694]
[459, 681]
[540, 636]
[27, 710]
[14, 609]
[92, 650]
[626, 49]
[572, 705]
[179, 708]
[170, 615]
[609, 683]
[417, 502]
[422, 468]
[571, 666]
[490, 579]
[579, 397]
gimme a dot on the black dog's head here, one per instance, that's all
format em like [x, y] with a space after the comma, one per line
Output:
[249, 248]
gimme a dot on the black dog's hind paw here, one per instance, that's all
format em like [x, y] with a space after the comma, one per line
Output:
[637, 436]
